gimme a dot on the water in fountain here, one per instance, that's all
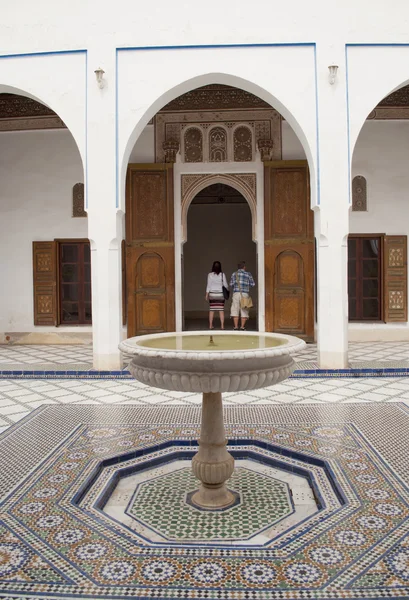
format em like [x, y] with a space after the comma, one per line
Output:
[215, 342]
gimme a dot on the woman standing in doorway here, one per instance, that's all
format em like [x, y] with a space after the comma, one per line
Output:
[216, 279]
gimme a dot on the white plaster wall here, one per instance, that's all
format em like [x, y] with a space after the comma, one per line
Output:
[26, 27]
[381, 156]
[215, 232]
[290, 144]
[144, 149]
[37, 172]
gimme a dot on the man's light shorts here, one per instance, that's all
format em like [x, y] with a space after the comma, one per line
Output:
[235, 309]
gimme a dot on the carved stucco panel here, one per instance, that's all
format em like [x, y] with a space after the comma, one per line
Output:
[359, 194]
[191, 185]
[217, 145]
[265, 124]
[78, 199]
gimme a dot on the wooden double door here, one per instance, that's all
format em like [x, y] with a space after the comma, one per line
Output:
[289, 249]
[150, 251]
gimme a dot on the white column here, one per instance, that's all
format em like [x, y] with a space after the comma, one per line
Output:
[332, 216]
[105, 221]
[332, 293]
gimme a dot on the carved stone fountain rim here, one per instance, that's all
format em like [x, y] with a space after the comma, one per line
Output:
[217, 371]
[292, 346]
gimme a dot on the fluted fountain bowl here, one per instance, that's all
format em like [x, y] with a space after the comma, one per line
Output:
[226, 361]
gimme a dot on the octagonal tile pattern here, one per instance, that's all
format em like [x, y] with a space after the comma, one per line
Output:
[162, 505]
[55, 540]
[155, 504]
[312, 489]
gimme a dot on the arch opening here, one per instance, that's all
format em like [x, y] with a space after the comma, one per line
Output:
[219, 227]
[46, 264]
[379, 213]
[216, 134]
[139, 144]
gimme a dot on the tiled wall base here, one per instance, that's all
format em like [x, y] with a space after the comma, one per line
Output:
[83, 373]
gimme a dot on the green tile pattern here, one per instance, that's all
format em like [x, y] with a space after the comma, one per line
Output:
[161, 505]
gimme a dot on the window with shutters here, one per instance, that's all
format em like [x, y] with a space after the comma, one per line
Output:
[364, 278]
[75, 283]
[377, 278]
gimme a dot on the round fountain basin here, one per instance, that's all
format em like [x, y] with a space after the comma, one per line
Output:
[211, 362]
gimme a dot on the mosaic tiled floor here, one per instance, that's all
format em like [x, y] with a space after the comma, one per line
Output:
[59, 467]
[18, 397]
[27, 355]
[362, 354]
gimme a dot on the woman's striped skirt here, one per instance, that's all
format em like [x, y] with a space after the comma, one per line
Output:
[216, 301]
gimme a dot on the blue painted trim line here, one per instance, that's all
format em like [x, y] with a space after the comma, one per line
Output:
[125, 374]
[348, 126]
[214, 46]
[377, 45]
[116, 133]
[48, 53]
[86, 132]
[317, 127]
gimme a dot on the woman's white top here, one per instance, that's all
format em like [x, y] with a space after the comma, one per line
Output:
[215, 282]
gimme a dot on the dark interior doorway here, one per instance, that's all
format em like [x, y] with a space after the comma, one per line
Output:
[219, 227]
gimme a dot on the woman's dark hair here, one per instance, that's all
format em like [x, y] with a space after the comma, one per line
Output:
[217, 267]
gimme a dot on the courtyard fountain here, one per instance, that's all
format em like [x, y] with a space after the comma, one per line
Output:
[212, 364]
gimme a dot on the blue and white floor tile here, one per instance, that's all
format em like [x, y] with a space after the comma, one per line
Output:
[18, 397]
[344, 536]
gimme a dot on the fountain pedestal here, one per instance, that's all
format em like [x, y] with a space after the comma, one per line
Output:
[212, 465]
[211, 364]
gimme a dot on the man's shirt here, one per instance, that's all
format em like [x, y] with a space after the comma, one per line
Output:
[246, 281]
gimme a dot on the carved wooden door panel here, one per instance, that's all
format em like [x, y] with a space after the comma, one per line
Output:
[148, 296]
[289, 293]
[45, 283]
[289, 249]
[150, 268]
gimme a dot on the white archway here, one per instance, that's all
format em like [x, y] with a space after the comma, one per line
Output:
[207, 79]
[369, 106]
[76, 127]
[36, 210]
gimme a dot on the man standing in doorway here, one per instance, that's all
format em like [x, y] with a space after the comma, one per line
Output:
[241, 281]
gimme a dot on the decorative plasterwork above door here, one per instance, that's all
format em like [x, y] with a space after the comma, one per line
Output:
[191, 185]
[218, 136]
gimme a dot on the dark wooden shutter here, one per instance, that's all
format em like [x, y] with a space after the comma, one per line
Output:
[45, 283]
[395, 275]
